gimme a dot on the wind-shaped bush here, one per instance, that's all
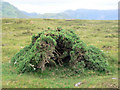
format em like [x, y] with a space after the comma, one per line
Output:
[56, 48]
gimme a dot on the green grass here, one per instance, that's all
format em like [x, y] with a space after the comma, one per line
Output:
[45, 80]
[16, 33]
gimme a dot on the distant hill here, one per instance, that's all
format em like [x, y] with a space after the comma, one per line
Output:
[9, 11]
[54, 15]
[47, 15]
[31, 15]
[92, 14]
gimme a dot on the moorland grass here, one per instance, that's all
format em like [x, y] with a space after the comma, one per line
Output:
[17, 33]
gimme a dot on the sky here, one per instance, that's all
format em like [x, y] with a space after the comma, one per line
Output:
[55, 6]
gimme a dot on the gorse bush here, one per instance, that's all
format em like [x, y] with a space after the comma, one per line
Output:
[59, 48]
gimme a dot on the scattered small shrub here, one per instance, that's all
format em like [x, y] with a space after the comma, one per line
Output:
[111, 36]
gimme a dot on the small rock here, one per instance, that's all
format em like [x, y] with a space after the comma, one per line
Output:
[21, 47]
[9, 61]
[114, 78]
[78, 84]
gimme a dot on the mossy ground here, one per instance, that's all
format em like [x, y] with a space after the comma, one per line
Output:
[16, 33]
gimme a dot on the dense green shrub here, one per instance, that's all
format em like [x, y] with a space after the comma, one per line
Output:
[95, 59]
[59, 48]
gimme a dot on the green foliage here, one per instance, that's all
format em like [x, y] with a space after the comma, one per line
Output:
[79, 67]
[53, 48]
[95, 59]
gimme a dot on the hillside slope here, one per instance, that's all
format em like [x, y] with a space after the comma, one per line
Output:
[9, 11]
